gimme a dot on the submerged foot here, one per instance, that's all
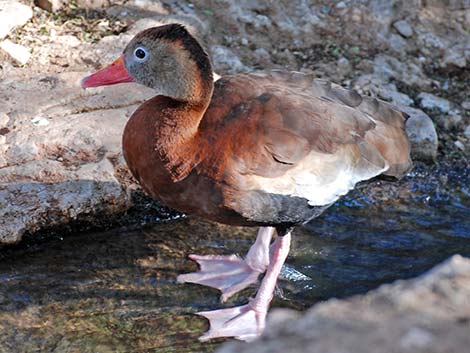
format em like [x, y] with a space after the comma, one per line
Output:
[242, 322]
[231, 274]
[228, 273]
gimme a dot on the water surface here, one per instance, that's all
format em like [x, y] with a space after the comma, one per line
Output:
[116, 291]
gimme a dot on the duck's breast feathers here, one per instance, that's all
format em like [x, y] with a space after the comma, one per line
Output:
[290, 134]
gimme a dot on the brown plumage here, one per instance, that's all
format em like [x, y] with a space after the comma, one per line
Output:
[272, 149]
[259, 125]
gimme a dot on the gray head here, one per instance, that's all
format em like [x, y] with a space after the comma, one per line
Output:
[166, 58]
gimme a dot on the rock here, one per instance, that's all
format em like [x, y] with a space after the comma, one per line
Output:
[452, 120]
[422, 134]
[430, 101]
[57, 5]
[397, 43]
[386, 91]
[426, 314]
[451, 4]
[389, 68]
[262, 56]
[343, 66]
[390, 93]
[61, 159]
[4, 119]
[400, 98]
[67, 41]
[467, 132]
[192, 24]
[93, 4]
[454, 56]
[51, 5]
[226, 61]
[404, 28]
[13, 14]
[459, 145]
[466, 105]
[149, 5]
[17, 52]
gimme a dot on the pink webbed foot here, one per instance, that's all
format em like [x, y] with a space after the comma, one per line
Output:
[247, 322]
[230, 274]
[242, 322]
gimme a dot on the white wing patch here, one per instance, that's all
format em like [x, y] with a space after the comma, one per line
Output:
[322, 178]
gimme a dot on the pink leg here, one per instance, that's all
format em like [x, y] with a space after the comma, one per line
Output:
[247, 322]
[230, 274]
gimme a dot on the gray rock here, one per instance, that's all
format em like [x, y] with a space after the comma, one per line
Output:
[397, 43]
[430, 101]
[427, 314]
[390, 93]
[404, 28]
[225, 60]
[452, 120]
[389, 68]
[13, 14]
[466, 105]
[262, 56]
[459, 145]
[451, 4]
[400, 98]
[385, 91]
[454, 56]
[467, 132]
[422, 134]
[344, 64]
[61, 152]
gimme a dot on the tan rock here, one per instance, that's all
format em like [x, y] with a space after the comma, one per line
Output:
[428, 314]
[59, 162]
[13, 14]
[17, 52]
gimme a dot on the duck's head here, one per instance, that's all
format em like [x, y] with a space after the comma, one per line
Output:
[166, 58]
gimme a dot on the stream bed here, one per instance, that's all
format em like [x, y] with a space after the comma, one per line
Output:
[115, 291]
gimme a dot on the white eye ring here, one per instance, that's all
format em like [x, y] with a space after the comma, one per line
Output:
[140, 54]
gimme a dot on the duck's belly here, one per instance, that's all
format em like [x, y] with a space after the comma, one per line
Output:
[201, 196]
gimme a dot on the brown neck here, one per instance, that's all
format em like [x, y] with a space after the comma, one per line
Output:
[178, 141]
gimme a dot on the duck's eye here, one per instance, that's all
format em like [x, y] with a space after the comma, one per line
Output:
[140, 53]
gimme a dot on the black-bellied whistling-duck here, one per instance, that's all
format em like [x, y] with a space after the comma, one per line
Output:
[271, 149]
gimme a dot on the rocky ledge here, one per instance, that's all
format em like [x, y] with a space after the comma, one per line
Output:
[430, 313]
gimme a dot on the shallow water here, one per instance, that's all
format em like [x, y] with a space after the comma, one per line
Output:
[116, 291]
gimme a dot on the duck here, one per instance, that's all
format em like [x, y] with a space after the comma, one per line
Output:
[268, 149]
